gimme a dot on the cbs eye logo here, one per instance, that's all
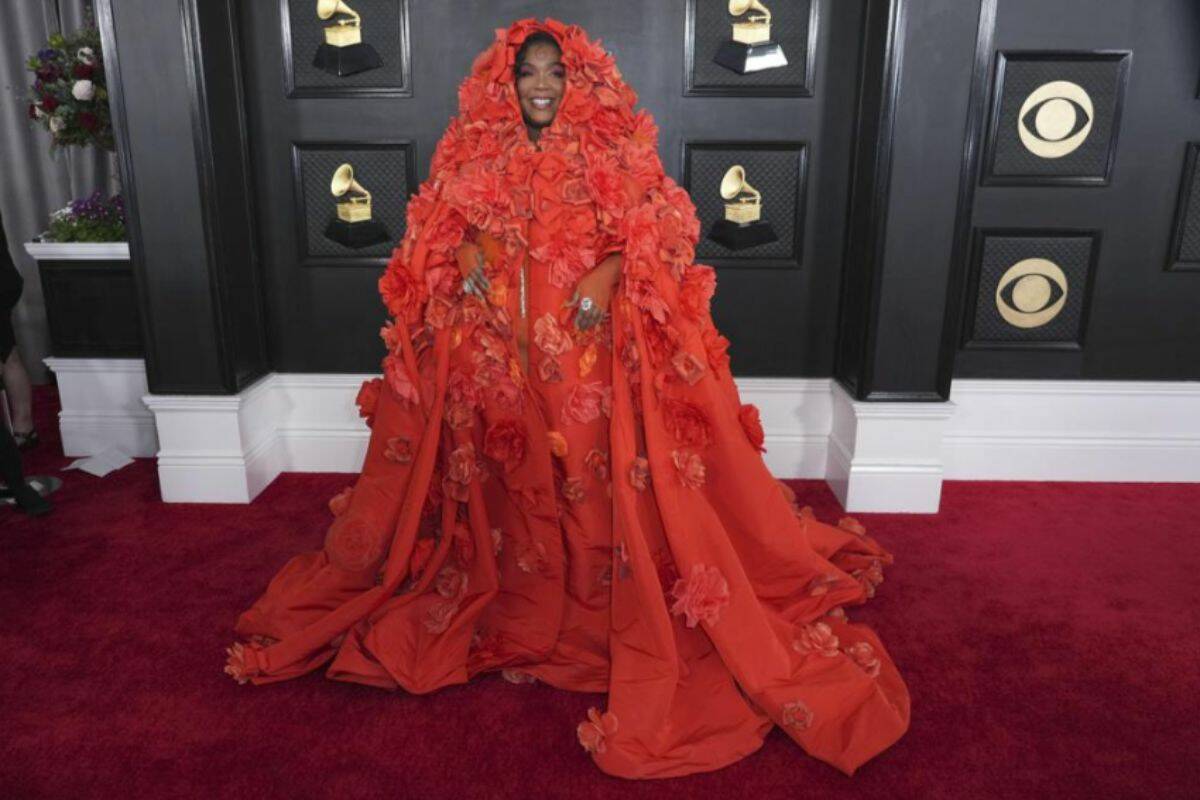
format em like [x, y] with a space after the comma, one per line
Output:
[1031, 293]
[1055, 119]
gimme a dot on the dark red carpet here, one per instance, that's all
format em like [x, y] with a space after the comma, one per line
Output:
[1049, 634]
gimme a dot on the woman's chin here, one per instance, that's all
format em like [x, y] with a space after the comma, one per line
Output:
[539, 119]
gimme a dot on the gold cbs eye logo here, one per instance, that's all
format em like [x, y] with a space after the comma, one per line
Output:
[1055, 119]
[1031, 293]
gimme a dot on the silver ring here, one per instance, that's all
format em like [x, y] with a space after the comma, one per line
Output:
[587, 304]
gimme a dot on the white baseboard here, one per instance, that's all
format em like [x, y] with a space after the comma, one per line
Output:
[101, 406]
[1048, 430]
[876, 456]
[886, 456]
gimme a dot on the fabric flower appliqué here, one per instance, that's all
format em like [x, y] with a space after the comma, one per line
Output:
[752, 425]
[572, 490]
[687, 422]
[594, 733]
[549, 370]
[597, 462]
[399, 449]
[639, 473]
[821, 584]
[689, 368]
[797, 715]
[870, 577]
[585, 402]
[460, 471]
[549, 337]
[690, 468]
[506, 442]
[351, 546]
[558, 444]
[863, 654]
[702, 596]
[816, 638]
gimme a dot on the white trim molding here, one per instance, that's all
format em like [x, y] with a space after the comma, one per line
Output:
[886, 456]
[795, 416]
[1051, 430]
[78, 251]
[876, 456]
[101, 406]
[227, 449]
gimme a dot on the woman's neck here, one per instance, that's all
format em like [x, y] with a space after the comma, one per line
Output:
[535, 133]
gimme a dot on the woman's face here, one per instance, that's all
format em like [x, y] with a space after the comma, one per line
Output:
[540, 81]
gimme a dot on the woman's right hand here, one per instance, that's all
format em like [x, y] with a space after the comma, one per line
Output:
[471, 265]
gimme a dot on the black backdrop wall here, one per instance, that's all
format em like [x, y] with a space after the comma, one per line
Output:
[324, 312]
[967, 187]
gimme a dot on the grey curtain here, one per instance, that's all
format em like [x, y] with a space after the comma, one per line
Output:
[32, 183]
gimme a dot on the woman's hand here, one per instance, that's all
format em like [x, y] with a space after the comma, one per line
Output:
[471, 265]
[593, 293]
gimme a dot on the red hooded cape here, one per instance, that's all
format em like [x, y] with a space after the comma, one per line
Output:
[721, 609]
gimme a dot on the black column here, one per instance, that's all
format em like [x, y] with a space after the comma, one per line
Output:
[912, 141]
[174, 78]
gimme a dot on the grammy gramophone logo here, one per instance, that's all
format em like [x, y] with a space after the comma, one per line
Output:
[343, 52]
[750, 49]
[743, 225]
[353, 225]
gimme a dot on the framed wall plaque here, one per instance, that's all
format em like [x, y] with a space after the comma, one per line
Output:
[1030, 289]
[767, 48]
[1055, 118]
[771, 178]
[363, 223]
[345, 49]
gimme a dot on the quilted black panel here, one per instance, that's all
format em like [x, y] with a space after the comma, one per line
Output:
[380, 28]
[1189, 214]
[775, 172]
[1072, 254]
[714, 25]
[1098, 77]
[382, 170]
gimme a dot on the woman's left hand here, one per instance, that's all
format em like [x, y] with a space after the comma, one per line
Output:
[593, 293]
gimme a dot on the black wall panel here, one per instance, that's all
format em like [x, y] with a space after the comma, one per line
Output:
[325, 317]
[1140, 323]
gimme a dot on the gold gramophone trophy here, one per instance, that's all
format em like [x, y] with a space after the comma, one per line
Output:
[343, 52]
[751, 48]
[743, 225]
[353, 226]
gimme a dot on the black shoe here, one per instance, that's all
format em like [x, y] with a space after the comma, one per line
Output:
[31, 497]
[27, 440]
[29, 501]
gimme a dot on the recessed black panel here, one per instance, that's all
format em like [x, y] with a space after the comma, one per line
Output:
[709, 27]
[1031, 289]
[776, 169]
[1055, 118]
[385, 169]
[384, 30]
[1185, 242]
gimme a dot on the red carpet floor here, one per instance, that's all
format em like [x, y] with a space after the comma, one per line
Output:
[1049, 634]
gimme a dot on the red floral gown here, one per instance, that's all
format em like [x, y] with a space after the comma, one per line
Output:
[588, 509]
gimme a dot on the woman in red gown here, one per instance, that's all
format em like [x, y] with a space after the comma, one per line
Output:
[561, 482]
